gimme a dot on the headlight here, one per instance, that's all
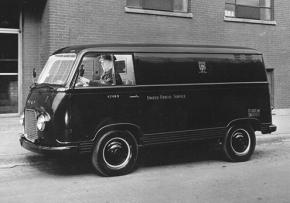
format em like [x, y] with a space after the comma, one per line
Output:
[42, 119]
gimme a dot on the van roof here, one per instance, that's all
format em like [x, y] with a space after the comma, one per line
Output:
[162, 48]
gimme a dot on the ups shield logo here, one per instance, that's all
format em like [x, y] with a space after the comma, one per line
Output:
[202, 67]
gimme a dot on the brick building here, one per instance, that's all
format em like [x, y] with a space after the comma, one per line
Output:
[30, 30]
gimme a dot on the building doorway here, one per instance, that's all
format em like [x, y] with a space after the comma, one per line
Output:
[9, 58]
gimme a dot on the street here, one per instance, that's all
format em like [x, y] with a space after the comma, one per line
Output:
[193, 173]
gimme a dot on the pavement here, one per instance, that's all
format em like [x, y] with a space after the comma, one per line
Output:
[12, 154]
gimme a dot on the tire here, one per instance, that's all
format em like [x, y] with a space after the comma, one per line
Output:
[115, 153]
[239, 143]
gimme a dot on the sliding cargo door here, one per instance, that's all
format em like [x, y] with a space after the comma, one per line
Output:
[165, 92]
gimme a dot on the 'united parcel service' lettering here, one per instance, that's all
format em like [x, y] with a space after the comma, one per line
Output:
[166, 97]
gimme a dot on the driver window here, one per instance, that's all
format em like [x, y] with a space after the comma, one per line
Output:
[105, 69]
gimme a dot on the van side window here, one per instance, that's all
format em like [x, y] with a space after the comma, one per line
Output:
[105, 69]
[125, 68]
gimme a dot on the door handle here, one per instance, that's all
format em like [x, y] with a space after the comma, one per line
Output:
[134, 96]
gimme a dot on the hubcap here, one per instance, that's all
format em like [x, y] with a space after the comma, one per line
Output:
[240, 142]
[117, 153]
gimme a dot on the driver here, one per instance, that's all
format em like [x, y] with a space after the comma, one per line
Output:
[107, 64]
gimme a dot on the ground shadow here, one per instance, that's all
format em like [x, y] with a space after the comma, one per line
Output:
[170, 154]
[62, 165]
[179, 154]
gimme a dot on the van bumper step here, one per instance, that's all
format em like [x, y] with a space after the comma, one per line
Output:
[268, 128]
[47, 149]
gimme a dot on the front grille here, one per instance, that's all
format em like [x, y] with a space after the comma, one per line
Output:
[30, 129]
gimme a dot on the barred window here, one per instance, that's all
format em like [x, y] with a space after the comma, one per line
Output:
[250, 9]
[161, 5]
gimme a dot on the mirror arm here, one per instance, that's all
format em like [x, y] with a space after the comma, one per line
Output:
[34, 75]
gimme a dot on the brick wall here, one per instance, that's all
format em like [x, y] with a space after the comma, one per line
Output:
[70, 22]
[30, 48]
[34, 43]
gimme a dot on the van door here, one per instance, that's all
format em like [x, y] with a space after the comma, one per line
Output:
[172, 102]
[164, 109]
[103, 96]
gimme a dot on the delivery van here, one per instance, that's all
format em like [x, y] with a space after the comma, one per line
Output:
[108, 101]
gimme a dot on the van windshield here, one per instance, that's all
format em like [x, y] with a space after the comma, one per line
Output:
[57, 69]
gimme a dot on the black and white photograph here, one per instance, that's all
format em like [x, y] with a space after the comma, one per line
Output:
[138, 101]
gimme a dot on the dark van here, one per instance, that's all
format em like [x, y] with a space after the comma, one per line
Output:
[110, 100]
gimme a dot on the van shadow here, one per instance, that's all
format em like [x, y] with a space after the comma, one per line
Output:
[175, 155]
[148, 157]
[61, 165]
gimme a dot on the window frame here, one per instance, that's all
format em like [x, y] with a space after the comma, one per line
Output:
[175, 13]
[114, 85]
[47, 67]
[236, 5]
[13, 14]
[133, 78]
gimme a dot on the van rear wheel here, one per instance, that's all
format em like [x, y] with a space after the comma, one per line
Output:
[115, 153]
[239, 143]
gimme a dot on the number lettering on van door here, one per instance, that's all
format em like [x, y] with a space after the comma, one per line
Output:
[179, 96]
[113, 96]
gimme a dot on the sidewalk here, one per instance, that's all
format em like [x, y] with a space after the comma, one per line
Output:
[281, 118]
[11, 153]
[10, 129]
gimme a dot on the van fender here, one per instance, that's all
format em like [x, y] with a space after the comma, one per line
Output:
[253, 122]
[132, 128]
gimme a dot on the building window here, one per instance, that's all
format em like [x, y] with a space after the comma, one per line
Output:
[9, 16]
[250, 9]
[8, 73]
[161, 5]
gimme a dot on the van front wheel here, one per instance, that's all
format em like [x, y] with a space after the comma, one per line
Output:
[239, 143]
[115, 153]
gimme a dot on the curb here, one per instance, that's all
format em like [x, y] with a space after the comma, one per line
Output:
[271, 138]
[281, 112]
[11, 161]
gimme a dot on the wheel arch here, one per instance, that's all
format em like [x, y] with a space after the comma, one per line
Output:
[132, 128]
[253, 122]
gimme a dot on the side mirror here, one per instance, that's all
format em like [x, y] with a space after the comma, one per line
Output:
[34, 73]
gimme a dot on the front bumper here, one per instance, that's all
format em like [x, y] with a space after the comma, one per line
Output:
[268, 128]
[72, 149]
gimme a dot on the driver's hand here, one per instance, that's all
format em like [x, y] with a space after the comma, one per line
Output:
[82, 81]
